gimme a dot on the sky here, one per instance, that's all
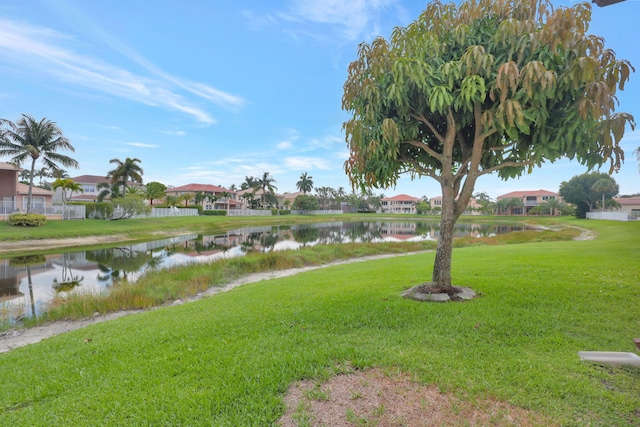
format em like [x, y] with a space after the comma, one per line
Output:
[210, 92]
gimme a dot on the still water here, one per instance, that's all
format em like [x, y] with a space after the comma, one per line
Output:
[28, 283]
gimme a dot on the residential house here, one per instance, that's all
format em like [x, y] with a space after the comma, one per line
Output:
[530, 199]
[245, 197]
[215, 198]
[14, 194]
[401, 203]
[473, 207]
[630, 205]
[90, 190]
[289, 198]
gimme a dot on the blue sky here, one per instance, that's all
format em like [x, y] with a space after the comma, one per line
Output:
[210, 92]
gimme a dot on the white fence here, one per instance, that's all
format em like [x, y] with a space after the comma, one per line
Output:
[248, 212]
[614, 216]
[70, 211]
[318, 212]
[160, 213]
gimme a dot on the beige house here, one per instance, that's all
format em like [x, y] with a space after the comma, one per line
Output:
[14, 194]
[473, 207]
[215, 198]
[530, 199]
[401, 203]
[630, 205]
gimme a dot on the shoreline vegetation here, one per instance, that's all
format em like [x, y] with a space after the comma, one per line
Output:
[229, 359]
[164, 286]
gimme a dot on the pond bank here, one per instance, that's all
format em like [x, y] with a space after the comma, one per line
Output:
[16, 338]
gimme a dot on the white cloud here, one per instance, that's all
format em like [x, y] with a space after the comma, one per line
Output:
[140, 144]
[42, 50]
[307, 163]
[175, 132]
[284, 145]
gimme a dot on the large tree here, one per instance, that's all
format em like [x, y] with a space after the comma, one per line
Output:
[29, 138]
[155, 190]
[127, 171]
[583, 193]
[481, 87]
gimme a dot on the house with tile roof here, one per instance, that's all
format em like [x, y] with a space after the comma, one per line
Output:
[90, 190]
[14, 194]
[630, 205]
[530, 199]
[473, 207]
[402, 203]
[215, 197]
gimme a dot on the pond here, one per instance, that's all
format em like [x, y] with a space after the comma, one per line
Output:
[28, 283]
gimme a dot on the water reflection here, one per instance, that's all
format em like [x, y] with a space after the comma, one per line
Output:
[28, 283]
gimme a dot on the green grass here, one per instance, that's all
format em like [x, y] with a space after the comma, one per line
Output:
[228, 360]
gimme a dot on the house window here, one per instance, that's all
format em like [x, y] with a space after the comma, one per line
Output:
[86, 188]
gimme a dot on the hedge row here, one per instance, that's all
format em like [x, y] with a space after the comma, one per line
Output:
[213, 213]
[27, 220]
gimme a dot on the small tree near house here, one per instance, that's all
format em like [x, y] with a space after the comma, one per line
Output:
[481, 87]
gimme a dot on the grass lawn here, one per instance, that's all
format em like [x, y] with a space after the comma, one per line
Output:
[227, 360]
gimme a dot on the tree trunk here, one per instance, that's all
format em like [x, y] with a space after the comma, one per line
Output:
[33, 167]
[442, 265]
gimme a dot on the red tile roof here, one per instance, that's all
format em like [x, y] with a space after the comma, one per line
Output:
[24, 189]
[520, 194]
[628, 200]
[198, 187]
[91, 179]
[402, 197]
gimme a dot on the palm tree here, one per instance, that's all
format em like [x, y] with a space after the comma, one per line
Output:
[29, 138]
[126, 171]
[186, 197]
[604, 186]
[637, 152]
[266, 185]
[66, 184]
[509, 204]
[305, 184]
[109, 191]
[41, 173]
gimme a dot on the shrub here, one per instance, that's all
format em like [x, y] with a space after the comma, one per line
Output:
[306, 202]
[27, 220]
[99, 210]
[214, 213]
[198, 207]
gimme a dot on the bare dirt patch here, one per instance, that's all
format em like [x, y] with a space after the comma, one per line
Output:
[376, 398]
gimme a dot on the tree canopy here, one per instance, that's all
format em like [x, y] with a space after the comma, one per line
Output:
[30, 139]
[305, 184]
[126, 171]
[585, 190]
[482, 87]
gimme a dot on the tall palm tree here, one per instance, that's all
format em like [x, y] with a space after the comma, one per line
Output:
[266, 185]
[305, 184]
[126, 171]
[29, 138]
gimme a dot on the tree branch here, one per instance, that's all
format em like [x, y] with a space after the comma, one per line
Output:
[420, 169]
[505, 165]
[425, 147]
[423, 119]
